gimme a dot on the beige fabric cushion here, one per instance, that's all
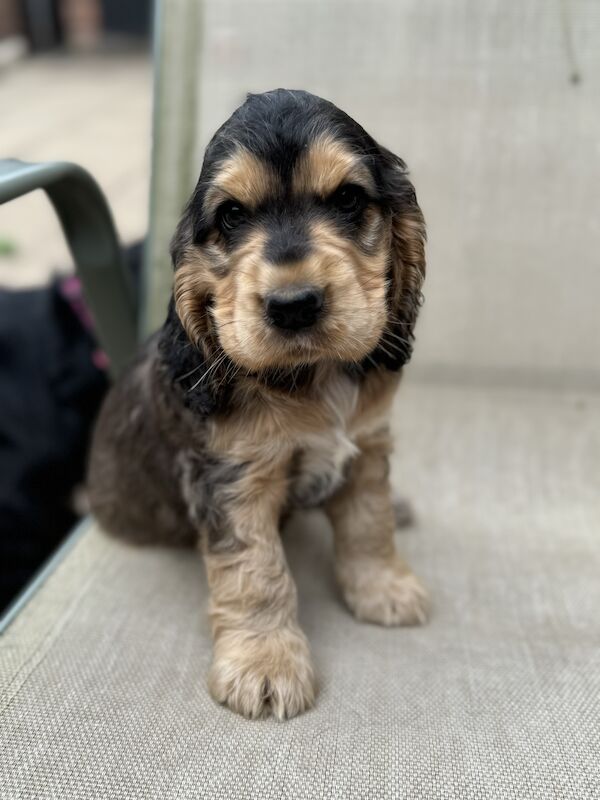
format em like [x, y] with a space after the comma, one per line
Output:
[102, 675]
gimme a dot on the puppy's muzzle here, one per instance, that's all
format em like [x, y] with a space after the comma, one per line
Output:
[295, 308]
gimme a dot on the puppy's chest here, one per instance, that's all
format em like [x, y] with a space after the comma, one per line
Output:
[322, 458]
[320, 467]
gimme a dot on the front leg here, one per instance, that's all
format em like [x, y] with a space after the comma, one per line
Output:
[261, 660]
[377, 585]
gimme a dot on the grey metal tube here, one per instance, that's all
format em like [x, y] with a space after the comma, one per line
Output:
[90, 232]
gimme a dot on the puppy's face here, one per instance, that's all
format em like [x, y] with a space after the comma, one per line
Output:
[302, 242]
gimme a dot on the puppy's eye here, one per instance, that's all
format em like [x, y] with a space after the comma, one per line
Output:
[230, 215]
[349, 199]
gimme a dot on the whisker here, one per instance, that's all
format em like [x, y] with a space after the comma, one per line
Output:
[191, 372]
[396, 336]
[387, 352]
[216, 363]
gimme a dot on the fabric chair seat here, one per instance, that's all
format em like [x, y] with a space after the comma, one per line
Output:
[102, 675]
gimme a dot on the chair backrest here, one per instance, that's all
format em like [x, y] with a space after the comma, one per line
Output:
[177, 41]
[492, 105]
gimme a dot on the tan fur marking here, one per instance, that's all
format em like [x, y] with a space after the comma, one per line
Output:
[377, 585]
[328, 164]
[269, 426]
[260, 673]
[191, 287]
[243, 177]
[261, 661]
[408, 249]
[354, 284]
[374, 402]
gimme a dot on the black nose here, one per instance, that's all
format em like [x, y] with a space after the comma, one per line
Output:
[293, 309]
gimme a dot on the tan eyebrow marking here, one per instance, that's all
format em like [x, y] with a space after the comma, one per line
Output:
[242, 177]
[326, 166]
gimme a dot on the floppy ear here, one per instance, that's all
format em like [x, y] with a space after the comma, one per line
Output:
[407, 263]
[191, 285]
[195, 362]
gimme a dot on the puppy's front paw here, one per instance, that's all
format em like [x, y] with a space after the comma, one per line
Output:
[383, 592]
[257, 674]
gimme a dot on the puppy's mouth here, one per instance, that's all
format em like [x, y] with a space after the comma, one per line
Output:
[294, 326]
[300, 347]
[291, 347]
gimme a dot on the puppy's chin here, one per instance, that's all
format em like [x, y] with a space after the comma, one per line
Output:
[266, 348]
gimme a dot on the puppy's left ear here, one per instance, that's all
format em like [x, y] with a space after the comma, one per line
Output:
[407, 262]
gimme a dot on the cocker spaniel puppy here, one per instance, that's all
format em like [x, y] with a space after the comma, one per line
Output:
[298, 262]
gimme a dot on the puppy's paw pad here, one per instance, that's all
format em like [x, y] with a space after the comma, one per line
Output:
[261, 675]
[387, 594]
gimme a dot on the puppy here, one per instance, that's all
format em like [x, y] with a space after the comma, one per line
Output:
[298, 262]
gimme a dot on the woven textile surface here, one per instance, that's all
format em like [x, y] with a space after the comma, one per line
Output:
[102, 690]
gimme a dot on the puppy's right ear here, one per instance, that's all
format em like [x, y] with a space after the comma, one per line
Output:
[187, 345]
[191, 289]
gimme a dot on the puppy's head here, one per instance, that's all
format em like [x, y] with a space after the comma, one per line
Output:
[302, 241]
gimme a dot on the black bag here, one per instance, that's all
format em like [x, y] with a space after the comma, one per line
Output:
[52, 381]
